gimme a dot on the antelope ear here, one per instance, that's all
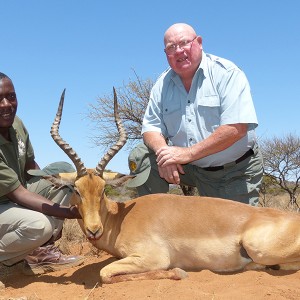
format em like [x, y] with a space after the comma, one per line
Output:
[68, 177]
[111, 175]
[62, 179]
[118, 180]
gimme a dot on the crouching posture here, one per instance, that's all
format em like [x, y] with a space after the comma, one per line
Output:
[32, 210]
[163, 235]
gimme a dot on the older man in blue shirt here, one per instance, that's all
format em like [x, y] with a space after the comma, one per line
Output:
[199, 126]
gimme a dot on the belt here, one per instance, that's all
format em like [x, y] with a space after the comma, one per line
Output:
[218, 168]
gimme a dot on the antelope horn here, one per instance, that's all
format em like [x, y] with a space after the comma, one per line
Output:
[118, 145]
[81, 170]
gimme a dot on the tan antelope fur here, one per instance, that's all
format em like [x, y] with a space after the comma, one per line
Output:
[163, 235]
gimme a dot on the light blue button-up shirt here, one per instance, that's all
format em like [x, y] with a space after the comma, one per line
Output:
[219, 94]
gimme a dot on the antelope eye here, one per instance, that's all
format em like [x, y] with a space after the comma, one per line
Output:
[76, 191]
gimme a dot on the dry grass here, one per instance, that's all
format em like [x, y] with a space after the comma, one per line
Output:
[280, 201]
[73, 241]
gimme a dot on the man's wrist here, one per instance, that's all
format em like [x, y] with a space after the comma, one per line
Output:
[191, 153]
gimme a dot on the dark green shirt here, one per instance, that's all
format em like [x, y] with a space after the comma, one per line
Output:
[13, 158]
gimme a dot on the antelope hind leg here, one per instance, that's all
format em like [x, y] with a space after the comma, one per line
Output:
[254, 266]
[293, 266]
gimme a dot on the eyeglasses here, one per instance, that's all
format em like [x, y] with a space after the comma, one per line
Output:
[183, 45]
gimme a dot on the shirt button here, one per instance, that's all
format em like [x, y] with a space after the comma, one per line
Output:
[189, 101]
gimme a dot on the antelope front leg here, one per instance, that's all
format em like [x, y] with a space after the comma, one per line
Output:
[133, 268]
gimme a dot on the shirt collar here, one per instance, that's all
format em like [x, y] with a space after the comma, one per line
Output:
[203, 64]
[2, 140]
[12, 132]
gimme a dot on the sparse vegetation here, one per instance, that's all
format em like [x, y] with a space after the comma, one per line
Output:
[282, 166]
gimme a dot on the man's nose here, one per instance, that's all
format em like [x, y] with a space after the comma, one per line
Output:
[4, 102]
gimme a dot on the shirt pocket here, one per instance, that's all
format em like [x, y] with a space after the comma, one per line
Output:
[209, 112]
[172, 117]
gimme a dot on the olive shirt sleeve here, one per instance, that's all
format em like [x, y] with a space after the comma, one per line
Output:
[13, 157]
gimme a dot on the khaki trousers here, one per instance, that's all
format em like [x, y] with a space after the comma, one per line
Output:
[22, 230]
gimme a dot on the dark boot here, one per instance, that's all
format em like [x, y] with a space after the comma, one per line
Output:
[48, 259]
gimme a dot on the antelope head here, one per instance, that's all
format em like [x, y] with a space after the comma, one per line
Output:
[89, 184]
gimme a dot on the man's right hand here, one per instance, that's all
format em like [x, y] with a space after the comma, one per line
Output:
[171, 173]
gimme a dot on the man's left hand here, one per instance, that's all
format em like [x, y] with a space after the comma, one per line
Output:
[168, 155]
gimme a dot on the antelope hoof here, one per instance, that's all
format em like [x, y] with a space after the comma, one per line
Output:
[179, 274]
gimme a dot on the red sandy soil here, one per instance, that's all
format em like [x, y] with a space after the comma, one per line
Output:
[83, 283]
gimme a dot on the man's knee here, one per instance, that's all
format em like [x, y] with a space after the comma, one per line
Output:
[39, 229]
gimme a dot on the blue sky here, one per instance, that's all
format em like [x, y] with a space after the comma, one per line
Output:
[90, 46]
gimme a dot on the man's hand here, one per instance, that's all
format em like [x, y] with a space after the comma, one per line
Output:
[172, 155]
[75, 213]
[171, 173]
